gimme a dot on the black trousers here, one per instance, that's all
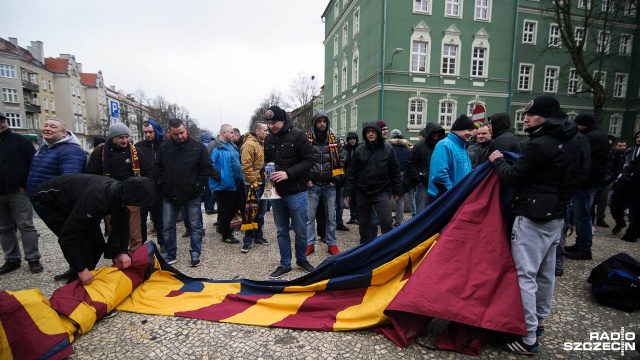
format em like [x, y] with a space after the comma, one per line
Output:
[229, 203]
[621, 193]
[156, 214]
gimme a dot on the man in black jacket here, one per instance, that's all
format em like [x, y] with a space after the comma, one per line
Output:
[543, 187]
[290, 150]
[350, 149]
[583, 198]
[72, 206]
[181, 171]
[502, 137]
[372, 176]
[16, 153]
[420, 162]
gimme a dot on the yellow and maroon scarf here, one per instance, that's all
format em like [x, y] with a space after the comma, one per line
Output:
[250, 209]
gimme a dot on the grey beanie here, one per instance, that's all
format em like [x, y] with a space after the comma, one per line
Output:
[118, 129]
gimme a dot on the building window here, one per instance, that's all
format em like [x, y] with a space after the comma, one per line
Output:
[53, 105]
[472, 105]
[575, 83]
[422, 6]
[336, 9]
[478, 62]
[630, 8]
[419, 51]
[525, 76]
[10, 95]
[600, 77]
[355, 67]
[578, 36]
[7, 71]
[625, 44]
[554, 36]
[345, 34]
[335, 46]
[584, 4]
[551, 79]
[343, 121]
[615, 125]
[417, 113]
[453, 8]
[620, 85]
[483, 10]
[44, 84]
[344, 74]
[519, 122]
[449, 59]
[529, 32]
[14, 120]
[25, 76]
[45, 103]
[604, 37]
[607, 6]
[356, 22]
[354, 117]
[447, 109]
[50, 85]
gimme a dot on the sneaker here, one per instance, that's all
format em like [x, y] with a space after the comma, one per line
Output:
[619, 226]
[170, 259]
[342, 227]
[540, 329]
[245, 248]
[517, 346]
[195, 259]
[230, 239]
[571, 248]
[579, 255]
[186, 233]
[110, 314]
[64, 276]
[352, 221]
[629, 238]
[281, 270]
[305, 265]
[310, 249]
[602, 223]
[35, 266]
[333, 249]
[559, 272]
[9, 266]
[260, 241]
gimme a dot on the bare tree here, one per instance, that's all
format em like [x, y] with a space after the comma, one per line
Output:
[303, 89]
[599, 23]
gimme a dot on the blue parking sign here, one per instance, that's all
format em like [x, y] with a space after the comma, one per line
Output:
[114, 109]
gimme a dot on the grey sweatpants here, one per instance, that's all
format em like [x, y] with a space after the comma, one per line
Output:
[533, 247]
[16, 208]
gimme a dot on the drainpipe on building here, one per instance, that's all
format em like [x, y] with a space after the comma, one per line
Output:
[513, 59]
[384, 51]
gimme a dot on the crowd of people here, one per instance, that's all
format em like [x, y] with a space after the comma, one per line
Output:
[566, 174]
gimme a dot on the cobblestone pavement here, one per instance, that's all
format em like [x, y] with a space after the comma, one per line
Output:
[136, 336]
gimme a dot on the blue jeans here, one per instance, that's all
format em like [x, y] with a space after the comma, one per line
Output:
[411, 198]
[582, 201]
[422, 197]
[328, 194]
[16, 208]
[249, 235]
[291, 209]
[339, 204]
[194, 219]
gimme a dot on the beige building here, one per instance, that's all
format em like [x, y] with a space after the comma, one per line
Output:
[95, 104]
[70, 95]
[27, 88]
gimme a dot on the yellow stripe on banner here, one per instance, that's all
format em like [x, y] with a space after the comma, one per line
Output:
[151, 297]
[110, 286]
[268, 311]
[386, 282]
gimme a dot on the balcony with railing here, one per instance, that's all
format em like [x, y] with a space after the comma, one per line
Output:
[31, 108]
[29, 86]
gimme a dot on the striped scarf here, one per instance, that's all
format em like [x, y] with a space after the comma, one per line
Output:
[135, 160]
[250, 209]
[336, 169]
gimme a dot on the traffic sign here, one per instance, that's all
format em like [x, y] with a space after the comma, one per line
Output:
[479, 113]
[114, 109]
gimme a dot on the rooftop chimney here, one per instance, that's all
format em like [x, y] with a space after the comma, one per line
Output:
[37, 50]
[79, 67]
[14, 41]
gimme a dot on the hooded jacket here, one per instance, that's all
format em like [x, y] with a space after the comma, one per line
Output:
[540, 174]
[502, 137]
[16, 153]
[349, 150]
[205, 138]
[599, 145]
[321, 171]
[150, 149]
[226, 159]
[450, 163]
[291, 151]
[252, 158]
[60, 158]
[419, 161]
[374, 168]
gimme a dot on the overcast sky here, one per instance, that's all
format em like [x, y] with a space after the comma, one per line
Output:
[217, 58]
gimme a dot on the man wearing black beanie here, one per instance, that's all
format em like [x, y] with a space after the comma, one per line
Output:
[450, 161]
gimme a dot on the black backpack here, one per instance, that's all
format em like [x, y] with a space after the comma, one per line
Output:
[616, 282]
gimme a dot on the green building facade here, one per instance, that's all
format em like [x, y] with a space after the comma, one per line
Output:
[409, 62]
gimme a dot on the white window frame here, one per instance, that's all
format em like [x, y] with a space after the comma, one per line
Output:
[53, 105]
[44, 84]
[336, 9]
[574, 80]
[472, 105]
[356, 21]
[584, 4]
[529, 76]
[335, 46]
[448, 59]
[10, 95]
[45, 103]
[422, 7]
[343, 121]
[25, 75]
[345, 74]
[354, 117]
[481, 41]
[579, 39]
[526, 33]
[519, 122]
[478, 63]
[453, 9]
[615, 125]
[14, 120]
[479, 7]
[51, 85]
[419, 56]
[336, 80]
[8, 71]
[629, 8]
[450, 41]
[551, 79]
[355, 66]
[607, 6]
[446, 117]
[625, 45]
[421, 34]
[620, 85]
[345, 34]
[417, 112]
[603, 36]
[603, 78]
[555, 39]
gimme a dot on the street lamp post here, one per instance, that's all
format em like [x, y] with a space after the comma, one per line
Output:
[395, 52]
